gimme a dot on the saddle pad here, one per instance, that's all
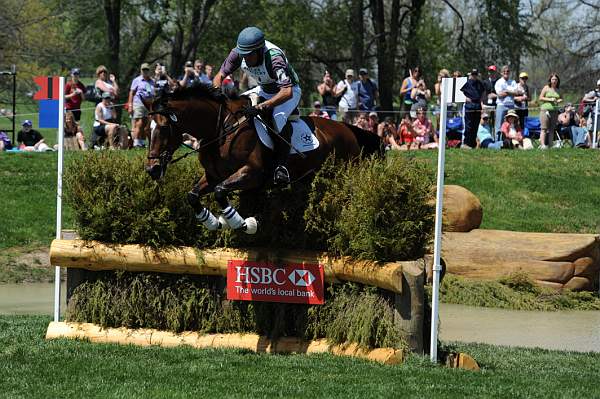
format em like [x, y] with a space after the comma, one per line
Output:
[303, 139]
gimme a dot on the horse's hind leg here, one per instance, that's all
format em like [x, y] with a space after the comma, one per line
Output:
[203, 215]
[244, 179]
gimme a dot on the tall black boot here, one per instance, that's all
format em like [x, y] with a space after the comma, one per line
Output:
[282, 151]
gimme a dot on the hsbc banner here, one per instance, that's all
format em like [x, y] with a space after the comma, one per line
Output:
[292, 283]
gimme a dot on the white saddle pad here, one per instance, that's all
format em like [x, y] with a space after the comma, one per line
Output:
[302, 138]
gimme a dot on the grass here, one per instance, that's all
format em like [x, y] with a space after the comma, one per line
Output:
[34, 368]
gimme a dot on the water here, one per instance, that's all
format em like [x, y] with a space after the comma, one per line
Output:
[564, 330]
[34, 298]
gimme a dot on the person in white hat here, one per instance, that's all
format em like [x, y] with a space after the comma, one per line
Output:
[347, 89]
[590, 104]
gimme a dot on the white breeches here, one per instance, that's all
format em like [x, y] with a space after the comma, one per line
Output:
[281, 112]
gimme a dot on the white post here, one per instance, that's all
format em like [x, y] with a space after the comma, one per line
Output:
[60, 134]
[594, 144]
[437, 269]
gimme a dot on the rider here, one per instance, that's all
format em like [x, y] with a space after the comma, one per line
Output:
[278, 84]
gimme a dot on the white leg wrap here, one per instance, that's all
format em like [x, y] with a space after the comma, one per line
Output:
[233, 218]
[208, 219]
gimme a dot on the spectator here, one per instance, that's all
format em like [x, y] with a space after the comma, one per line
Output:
[317, 111]
[74, 138]
[199, 69]
[406, 132]
[105, 121]
[388, 131]
[522, 99]
[589, 102]
[141, 92]
[456, 74]
[362, 121]
[506, 89]
[30, 139]
[347, 90]
[207, 76]
[484, 134]
[490, 89]
[474, 91]
[5, 143]
[373, 121]
[550, 99]
[419, 94]
[162, 81]
[74, 94]
[437, 87]
[327, 91]
[367, 91]
[422, 128]
[106, 83]
[511, 130]
[189, 75]
[407, 85]
[566, 121]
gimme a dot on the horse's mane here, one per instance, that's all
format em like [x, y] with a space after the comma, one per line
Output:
[199, 91]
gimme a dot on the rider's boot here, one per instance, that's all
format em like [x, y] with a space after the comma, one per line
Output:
[282, 151]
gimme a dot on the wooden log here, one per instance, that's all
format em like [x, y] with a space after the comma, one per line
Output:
[553, 259]
[409, 306]
[252, 342]
[98, 256]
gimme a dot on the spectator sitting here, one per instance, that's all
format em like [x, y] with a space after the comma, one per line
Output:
[373, 121]
[387, 131]
[106, 83]
[105, 121]
[30, 139]
[420, 94]
[422, 128]
[484, 134]
[327, 89]
[512, 131]
[5, 143]
[566, 120]
[74, 94]
[406, 132]
[74, 138]
[367, 91]
[362, 121]
[580, 136]
[317, 111]
[589, 101]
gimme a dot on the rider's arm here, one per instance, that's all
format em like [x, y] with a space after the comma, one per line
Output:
[230, 65]
[285, 93]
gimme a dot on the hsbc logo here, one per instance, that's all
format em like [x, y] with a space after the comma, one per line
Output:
[301, 278]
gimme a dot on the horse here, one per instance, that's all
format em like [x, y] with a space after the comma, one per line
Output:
[230, 150]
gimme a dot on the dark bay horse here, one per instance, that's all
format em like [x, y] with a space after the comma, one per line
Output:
[230, 151]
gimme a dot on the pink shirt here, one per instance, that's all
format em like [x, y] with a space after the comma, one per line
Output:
[422, 129]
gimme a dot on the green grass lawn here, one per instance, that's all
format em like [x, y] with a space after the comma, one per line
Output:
[32, 367]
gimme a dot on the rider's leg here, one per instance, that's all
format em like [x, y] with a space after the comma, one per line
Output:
[282, 146]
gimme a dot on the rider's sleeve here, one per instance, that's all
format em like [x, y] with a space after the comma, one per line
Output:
[231, 63]
[280, 69]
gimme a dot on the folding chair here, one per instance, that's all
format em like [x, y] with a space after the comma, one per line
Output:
[532, 127]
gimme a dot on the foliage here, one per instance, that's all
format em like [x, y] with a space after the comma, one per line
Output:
[187, 303]
[516, 291]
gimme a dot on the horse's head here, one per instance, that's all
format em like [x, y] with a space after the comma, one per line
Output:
[165, 137]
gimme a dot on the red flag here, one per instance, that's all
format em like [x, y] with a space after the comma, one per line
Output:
[48, 88]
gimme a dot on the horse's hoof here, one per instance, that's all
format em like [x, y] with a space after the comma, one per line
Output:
[251, 225]
[223, 223]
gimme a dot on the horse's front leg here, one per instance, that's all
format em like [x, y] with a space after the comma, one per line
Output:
[245, 178]
[203, 215]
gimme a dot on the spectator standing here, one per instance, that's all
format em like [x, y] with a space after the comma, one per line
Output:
[437, 89]
[550, 100]
[189, 75]
[326, 90]
[506, 89]
[522, 99]
[106, 83]
[474, 91]
[142, 90]
[74, 137]
[407, 85]
[484, 134]
[419, 94]
[347, 90]
[490, 89]
[589, 101]
[74, 94]
[368, 94]
[317, 111]
[207, 76]
[105, 121]
[30, 139]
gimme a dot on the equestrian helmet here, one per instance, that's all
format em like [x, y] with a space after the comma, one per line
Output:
[250, 39]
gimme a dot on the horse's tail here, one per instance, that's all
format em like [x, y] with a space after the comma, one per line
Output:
[369, 142]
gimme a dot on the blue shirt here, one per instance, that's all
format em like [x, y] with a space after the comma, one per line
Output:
[366, 94]
[484, 132]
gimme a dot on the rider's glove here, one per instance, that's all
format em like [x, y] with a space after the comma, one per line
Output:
[250, 111]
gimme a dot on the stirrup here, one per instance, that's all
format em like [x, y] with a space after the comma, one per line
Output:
[281, 175]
